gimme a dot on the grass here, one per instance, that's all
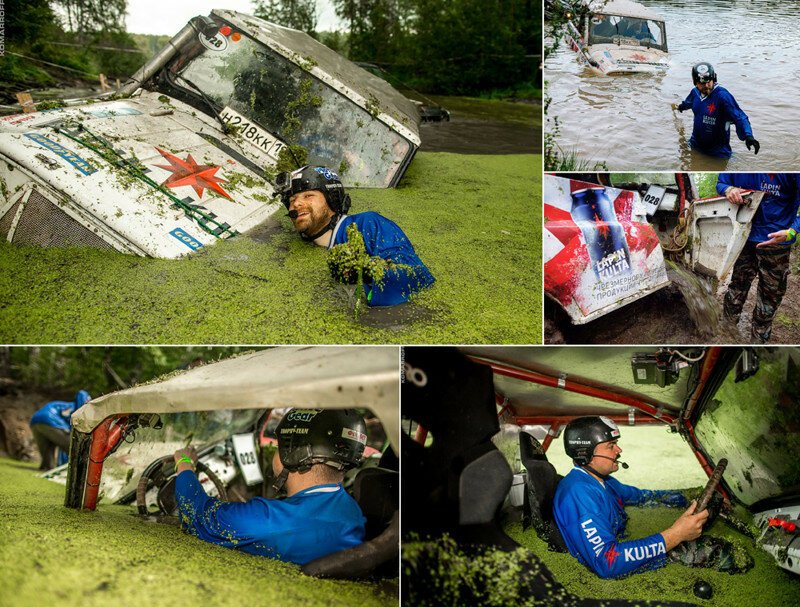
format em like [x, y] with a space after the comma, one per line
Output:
[474, 220]
[52, 555]
[766, 585]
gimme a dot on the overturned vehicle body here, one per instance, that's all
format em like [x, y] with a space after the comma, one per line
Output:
[188, 151]
[606, 245]
[491, 491]
[122, 445]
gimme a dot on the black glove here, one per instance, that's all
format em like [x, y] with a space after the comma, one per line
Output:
[751, 141]
[680, 108]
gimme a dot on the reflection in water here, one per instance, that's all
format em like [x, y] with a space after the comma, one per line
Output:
[627, 121]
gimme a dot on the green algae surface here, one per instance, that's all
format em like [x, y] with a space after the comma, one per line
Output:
[473, 220]
[765, 585]
[52, 555]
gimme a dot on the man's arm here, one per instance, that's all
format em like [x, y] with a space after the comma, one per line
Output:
[686, 103]
[633, 496]
[737, 116]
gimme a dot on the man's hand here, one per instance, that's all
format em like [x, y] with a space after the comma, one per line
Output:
[181, 456]
[751, 141]
[678, 106]
[689, 526]
[780, 237]
[734, 195]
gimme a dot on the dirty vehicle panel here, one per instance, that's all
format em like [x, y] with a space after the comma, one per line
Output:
[599, 251]
[604, 246]
[159, 175]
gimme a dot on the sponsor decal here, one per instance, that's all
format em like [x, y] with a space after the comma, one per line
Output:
[185, 238]
[188, 172]
[113, 112]
[217, 42]
[640, 553]
[253, 133]
[18, 118]
[611, 555]
[59, 150]
[354, 435]
[593, 537]
[302, 415]
[610, 424]
[712, 108]
[294, 430]
[326, 173]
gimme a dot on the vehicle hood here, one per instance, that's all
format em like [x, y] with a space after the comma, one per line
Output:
[183, 150]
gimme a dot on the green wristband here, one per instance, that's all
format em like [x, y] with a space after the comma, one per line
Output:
[790, 234]
[185, 459]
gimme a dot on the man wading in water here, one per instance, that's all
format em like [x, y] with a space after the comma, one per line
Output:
[715, 110]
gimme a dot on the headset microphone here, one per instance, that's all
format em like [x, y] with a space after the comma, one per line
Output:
[292, 214]
[623, 464]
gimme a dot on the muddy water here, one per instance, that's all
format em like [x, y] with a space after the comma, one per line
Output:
[627, 121]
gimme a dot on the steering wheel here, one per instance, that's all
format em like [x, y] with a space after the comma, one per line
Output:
[709, 498]
[161, 474]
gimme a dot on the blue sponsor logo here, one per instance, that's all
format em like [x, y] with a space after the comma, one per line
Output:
[189, 241]
[326, 173]
[111, 112]
[79, 163]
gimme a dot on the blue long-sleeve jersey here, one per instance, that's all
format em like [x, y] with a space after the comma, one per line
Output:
[384, 238]
[778, 208]
[592, 519]
[713, 116]
[58, 413]
[310, 524]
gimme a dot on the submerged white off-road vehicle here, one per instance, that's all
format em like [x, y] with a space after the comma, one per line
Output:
[187, 150]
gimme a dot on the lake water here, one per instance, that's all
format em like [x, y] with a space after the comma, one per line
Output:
[627, 121]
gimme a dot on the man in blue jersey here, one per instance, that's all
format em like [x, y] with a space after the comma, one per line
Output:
[589, 510]
[316, 518]
[318, 205]
[51, 426]
[715, 110]
[766, 252]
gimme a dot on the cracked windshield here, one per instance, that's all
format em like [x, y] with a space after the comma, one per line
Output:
[321, 126]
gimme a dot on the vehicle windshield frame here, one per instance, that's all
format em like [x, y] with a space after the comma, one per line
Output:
[618, 38]
[344, 136]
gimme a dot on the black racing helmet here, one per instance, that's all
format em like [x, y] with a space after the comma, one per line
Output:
[583, 434]
[335, 437]
[314, 178]
[703, 72]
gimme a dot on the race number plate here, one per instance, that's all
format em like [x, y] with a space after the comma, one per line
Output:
[653, 198]
[252, 133]
[245, 448]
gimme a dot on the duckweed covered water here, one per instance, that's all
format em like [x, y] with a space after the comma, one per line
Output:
[52, 555]
[474, 220]
[766, 585]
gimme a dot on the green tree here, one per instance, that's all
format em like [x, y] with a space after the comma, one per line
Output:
[297, 14]
[379, 29]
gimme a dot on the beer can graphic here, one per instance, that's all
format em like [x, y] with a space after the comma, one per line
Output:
[594, 214]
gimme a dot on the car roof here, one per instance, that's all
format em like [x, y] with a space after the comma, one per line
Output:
[319, 377]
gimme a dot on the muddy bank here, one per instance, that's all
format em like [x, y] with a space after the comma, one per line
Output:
[664, 317]
[479, 126]
[16, 410]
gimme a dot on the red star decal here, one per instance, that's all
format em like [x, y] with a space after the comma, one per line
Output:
[611, 555]
[711, 108]
[602, 226]
[188, 172]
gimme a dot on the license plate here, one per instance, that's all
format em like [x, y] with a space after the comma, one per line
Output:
[252, 133]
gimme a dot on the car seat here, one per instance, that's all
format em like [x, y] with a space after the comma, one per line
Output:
[540, 488]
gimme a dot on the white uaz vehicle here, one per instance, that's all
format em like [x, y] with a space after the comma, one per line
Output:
[188, 151]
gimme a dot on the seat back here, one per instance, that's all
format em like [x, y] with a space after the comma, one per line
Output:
[540, 489]
[377, 492]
